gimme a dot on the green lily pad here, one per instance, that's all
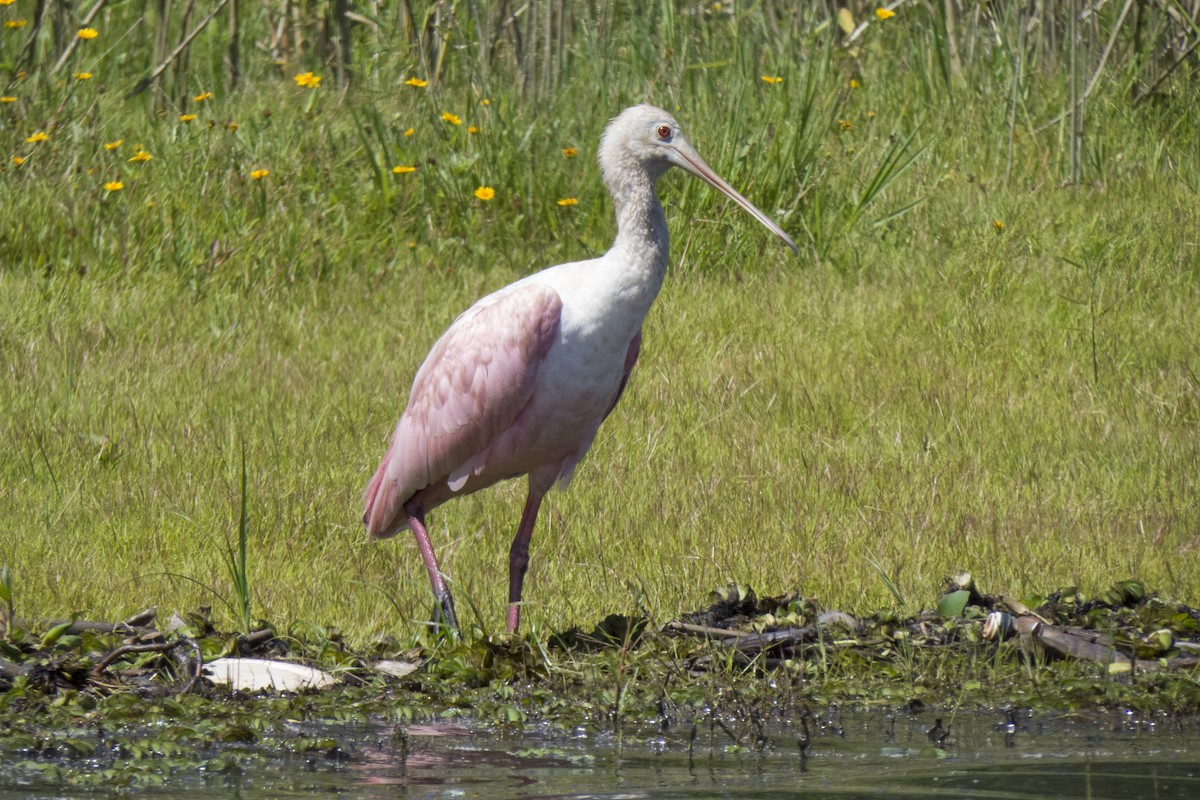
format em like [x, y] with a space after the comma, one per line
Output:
[952, 604]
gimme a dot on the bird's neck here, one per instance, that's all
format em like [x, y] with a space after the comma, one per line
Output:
[641, 227]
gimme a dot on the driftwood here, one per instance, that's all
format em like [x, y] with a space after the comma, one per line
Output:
[751, 641]
[139, 637]
[255, 637]
[136, 625]
[9, 670]
[1089, 646]
[735, 609]
[194, 673]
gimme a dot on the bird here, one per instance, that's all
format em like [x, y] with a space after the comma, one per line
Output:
[520, 382]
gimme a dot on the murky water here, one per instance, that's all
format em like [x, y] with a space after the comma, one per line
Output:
[847, 755]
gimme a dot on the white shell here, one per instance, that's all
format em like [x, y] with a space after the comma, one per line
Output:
[396, 669]
[258, 674]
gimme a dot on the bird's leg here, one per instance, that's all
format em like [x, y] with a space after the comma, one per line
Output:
[518, 556]
[441, 592]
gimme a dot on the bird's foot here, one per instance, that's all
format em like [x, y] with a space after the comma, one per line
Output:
[444, 614]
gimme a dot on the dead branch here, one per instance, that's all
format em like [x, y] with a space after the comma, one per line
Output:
[146, 82]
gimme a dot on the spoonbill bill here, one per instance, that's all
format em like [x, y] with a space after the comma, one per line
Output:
[520, 382]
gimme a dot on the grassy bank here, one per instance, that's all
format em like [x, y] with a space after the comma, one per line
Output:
[977, 362]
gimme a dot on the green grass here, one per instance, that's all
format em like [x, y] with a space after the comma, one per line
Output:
[917, 389]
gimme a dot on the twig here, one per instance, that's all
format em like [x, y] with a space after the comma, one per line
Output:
[1020, 609]
[704, 630]
[142, 618]
[10, 670]
[145, 83]
[26, 59]
[194, 674]
[749, 641]
[1167, 73]
[1076, 110]
[125, 649]
[87, 18]
[862, 26]
[198, 669]
[234, 55]
[1112, 40]
[255, 637]
[77, 627]
[1018, 66]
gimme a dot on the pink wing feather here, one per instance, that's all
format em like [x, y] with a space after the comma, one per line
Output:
[473, 384]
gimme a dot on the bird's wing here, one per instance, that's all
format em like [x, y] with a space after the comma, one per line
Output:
[473, 384]
[631, 357]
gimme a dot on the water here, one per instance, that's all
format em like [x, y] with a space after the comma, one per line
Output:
[848, 756]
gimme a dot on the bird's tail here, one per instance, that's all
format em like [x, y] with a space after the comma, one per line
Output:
[379, 511]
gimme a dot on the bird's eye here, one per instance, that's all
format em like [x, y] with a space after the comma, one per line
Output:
[664, 132]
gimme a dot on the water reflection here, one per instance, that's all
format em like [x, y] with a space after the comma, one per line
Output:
[858, 755]
[833, 754]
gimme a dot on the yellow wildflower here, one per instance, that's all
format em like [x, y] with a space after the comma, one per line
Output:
[259, 174]
[231, 126]
[87, 33]
[472, 129]
[113, 145]
[113, 186]
[200, 98]
[870, 115]
[7, 2]
[451, 118]
[8, 99]
[83, 76]
[485, 102]
[854, 84]
[13, 24]
[18, 160]
[569, 152]
[408, 132]
[416, 82]
[39, 136]
[308, 80]
[998, 225]
[567, 201]
[485, 193]
[772, 79]
[846, 124]
[883, 13]
[141, 155]
[403, 170]
[186, 117]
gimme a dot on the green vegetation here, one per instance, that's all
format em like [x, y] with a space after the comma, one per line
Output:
[985, 358]
[82, 710]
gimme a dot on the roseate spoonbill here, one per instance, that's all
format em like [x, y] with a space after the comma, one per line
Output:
[520, 382]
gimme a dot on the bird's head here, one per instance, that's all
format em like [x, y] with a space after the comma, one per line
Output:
[647, 140]
[640, 137]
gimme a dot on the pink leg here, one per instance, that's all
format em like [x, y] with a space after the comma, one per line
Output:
[518, 556]
[441, 592]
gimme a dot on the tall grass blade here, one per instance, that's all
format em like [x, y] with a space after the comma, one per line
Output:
[890, 584]
[6, 596]
[236, 559]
